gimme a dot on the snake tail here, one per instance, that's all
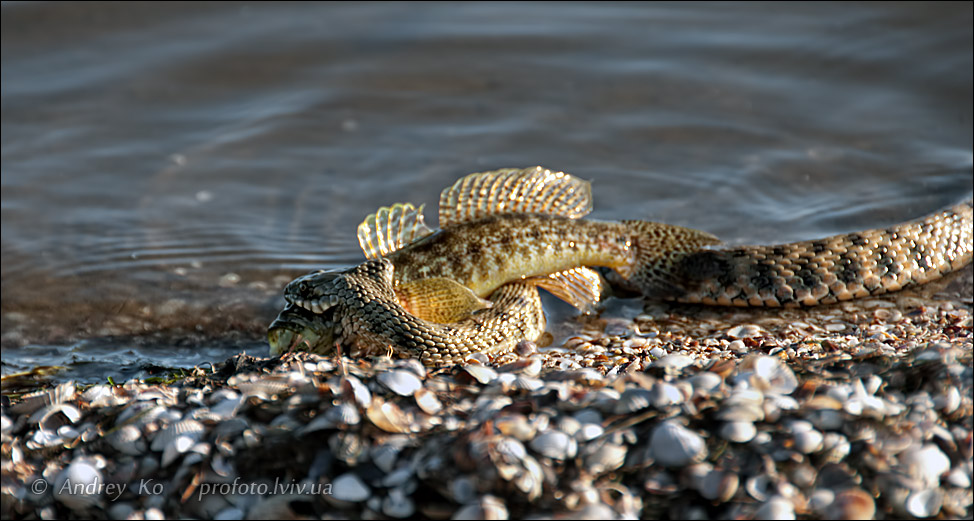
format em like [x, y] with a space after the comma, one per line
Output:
[823, 271]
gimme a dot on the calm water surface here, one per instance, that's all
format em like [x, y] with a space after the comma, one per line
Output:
[167, 169]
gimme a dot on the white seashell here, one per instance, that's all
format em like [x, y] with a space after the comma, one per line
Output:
[524, 382]
[949, 401]
[774, 375]
[515, 426]
[926, 463]
[836, 447]
[738, 431]
[398, 505]
[808, 441]
[743, 405]
[345, 413]
[589, 431]
[663, 394]
[706, 382]
[633, 400]
[79, 485]
[427, 401]
[413, 365]
[925, 503]
[227, 408]
[719, 485]
[760, 487]
[127, 439]
[776, 507]
[481, 373]
[531, 480]
[354, 388]
[400, 381]
[745, 331]
[53, 416]
[821, 500]
[178, 446]
[673, 445]
[673, 363]
[959, 478]
[190, 429]
[100, 396]
[605, 458]
[34, 401]
[388, 416]
[44, 438]
[349, 487]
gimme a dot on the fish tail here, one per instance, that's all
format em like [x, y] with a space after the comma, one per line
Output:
[660, 252]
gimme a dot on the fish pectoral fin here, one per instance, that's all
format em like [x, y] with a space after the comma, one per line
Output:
[390, 228]
[581, 287]
[515, 190]
[439, 299]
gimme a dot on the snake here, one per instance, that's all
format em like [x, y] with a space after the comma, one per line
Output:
[471, 287]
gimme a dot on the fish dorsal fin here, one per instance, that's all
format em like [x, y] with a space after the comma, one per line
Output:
[515, 190]
[439, 299]
[581, 287]
[390, 228]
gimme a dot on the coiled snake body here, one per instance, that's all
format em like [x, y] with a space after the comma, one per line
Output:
[507, 232]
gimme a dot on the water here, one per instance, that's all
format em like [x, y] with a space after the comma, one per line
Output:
[167, 169]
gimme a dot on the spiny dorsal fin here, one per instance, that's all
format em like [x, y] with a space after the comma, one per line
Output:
[581, 287]
[390, 228]
[515, 190]
[439, 299]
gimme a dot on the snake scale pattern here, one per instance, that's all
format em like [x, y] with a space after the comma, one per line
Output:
[359, 306]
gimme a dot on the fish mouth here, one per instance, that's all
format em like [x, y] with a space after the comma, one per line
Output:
[297, 328]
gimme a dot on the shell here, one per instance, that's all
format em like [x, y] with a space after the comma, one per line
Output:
[771, 375]
[925, 503]
[738, 431]
[427, 401]
[400, 381]
[79, 485]
[673, 445]
[633, 400]
[351, 488]
[388, 416]
[554, 444]
[480, 373]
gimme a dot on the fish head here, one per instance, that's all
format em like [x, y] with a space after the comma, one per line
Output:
[298, 329]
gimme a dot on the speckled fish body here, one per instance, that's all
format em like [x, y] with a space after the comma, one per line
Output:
[487, 253]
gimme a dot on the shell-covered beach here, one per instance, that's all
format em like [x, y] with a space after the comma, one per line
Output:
[860, 410]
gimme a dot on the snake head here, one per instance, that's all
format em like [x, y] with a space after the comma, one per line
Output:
[316, 292]
[298, 329]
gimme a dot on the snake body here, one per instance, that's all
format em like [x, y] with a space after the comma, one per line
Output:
[503, 254]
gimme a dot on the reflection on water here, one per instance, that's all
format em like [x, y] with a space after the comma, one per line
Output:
[166, 169]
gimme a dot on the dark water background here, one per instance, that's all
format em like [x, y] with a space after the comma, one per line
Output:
[166, 168]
